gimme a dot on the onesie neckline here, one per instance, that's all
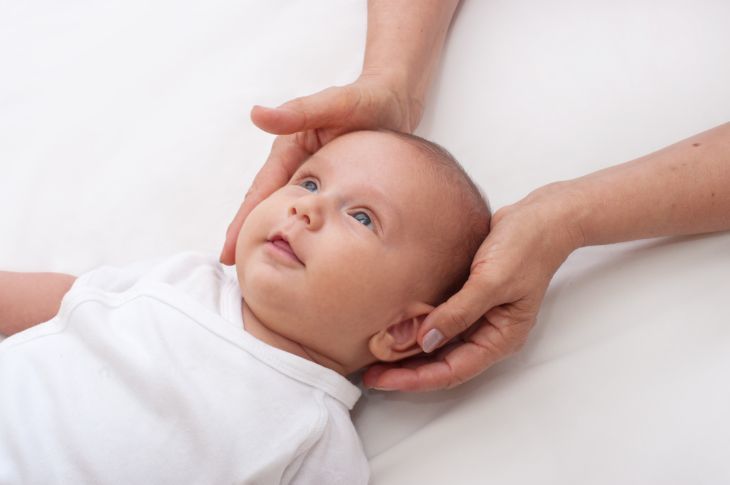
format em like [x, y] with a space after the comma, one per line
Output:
[306, 371]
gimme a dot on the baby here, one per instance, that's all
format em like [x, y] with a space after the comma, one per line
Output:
[162, 372]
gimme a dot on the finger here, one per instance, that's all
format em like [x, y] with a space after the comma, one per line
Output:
[228, 253]
[459, 312]
[286, 156]
[493, 341]
[417, 373]
[454, 364]
[323, 109]
[505, 333]
[390, 378]
[276, 120]
[428, 377]
[372, 375]
[251, 200]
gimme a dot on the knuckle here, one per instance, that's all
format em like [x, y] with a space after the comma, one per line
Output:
[458, 320]
[350, 97]
[251, 191]
[515, 336]
[309, 140]
[253, 194]
[350, 104]
[491, 351]
[455, 380]
[280, 141]
[500, 214]
[479, 269]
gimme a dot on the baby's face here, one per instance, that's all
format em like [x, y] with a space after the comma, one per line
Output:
[341, 249]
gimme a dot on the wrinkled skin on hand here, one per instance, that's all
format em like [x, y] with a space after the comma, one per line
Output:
[492, 315]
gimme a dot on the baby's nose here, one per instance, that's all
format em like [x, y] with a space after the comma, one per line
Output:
[308, 211]
[294, 212]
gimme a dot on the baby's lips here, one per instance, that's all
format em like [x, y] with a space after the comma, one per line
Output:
[281, 241]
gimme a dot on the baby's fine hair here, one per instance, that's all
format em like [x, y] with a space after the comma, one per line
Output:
[454, 253]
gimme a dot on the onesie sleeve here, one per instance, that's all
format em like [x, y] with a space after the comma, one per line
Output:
[199, 276]
[117, 279]
[337, 457]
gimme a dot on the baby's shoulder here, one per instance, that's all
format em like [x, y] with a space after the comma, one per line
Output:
[197, 276]
[173, 269]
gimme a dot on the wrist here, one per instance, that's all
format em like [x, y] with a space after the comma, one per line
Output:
[395, 82]
[560, 206]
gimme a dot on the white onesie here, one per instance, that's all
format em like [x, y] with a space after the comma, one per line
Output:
[146, 376]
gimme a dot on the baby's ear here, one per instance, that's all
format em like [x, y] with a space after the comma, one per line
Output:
[399, 339]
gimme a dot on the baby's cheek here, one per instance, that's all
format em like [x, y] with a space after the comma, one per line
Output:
[246, 245]
[242, 250]
[255, 226]
[366, 272]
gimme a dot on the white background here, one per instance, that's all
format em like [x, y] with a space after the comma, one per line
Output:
[124, 134]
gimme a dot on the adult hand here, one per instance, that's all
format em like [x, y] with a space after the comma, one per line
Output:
[491, 316]
[306, 124]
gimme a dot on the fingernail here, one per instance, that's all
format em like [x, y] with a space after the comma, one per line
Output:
[383, 388]
[432, 340]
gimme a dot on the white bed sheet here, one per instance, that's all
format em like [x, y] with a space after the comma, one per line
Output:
[124, 134]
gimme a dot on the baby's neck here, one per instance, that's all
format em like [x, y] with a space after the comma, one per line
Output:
[258, 329]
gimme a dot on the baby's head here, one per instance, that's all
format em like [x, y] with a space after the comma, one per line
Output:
[369, 235]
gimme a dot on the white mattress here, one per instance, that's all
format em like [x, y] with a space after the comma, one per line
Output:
[124, 134]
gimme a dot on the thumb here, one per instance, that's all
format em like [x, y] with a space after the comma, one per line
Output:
[457, 313]
[325, 108]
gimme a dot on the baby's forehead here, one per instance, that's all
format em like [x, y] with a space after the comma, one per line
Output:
[370, 153]
[388, 166]
[396, 175]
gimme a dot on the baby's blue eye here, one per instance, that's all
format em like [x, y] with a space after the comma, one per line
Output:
[310, 185]
[363, 219]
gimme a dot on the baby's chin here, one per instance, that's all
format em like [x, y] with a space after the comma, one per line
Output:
[262, 285]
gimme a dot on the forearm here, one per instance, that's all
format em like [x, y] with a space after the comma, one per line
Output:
[27, 299]
[679, 190]
[404, 43]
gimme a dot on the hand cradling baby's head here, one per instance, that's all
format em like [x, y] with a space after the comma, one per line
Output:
[368, 236]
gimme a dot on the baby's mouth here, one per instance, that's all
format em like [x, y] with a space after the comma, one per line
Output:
[283, 245]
